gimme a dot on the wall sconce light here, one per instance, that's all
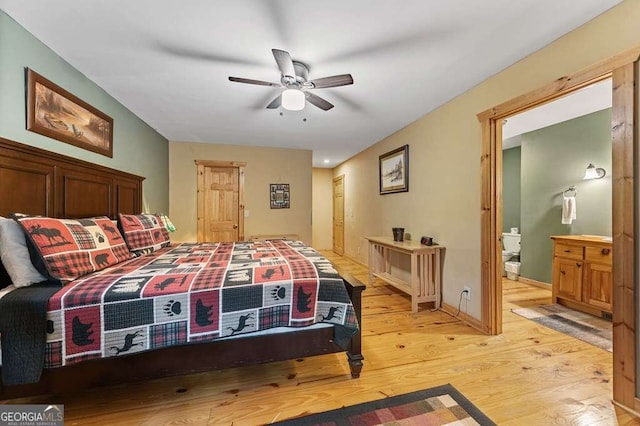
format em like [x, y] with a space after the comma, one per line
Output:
[594, 172]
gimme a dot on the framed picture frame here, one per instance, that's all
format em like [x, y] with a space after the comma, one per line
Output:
[394, 171]
[54, 112]
[279, 195]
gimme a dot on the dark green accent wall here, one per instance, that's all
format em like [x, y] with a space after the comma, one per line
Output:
[137, 148]
[552, 159]
[511, 189]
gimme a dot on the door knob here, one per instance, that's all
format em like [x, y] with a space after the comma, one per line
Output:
[235, 226]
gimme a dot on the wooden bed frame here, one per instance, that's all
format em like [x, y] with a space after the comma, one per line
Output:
[35, 181]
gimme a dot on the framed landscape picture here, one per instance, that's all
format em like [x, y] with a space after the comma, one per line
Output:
[394, 171]
[56, 113]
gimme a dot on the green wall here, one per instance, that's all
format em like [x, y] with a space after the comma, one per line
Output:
[511, 189]
[553, 159]
[137, 148]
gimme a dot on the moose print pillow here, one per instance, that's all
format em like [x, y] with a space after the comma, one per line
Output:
[67, 249]
[144, 233]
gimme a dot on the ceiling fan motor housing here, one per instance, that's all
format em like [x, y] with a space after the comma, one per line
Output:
[301, 77]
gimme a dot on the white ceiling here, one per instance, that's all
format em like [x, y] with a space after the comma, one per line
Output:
[595, 97]
[168, 61]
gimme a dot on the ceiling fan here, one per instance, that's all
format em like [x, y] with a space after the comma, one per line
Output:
[295, 79]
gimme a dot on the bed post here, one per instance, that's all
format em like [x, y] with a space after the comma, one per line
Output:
[354, 352]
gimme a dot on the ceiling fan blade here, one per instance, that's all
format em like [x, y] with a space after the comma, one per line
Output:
[193, 53]
[275, 103]
[249, 81]
[333, 81]
[284, 62]
[316, 100]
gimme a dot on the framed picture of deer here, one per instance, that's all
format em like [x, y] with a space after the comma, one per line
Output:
[54, 112]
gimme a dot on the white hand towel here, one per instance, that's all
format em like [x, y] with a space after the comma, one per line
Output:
[568, 210]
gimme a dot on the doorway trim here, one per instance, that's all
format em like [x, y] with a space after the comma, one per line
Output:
[338, 180]
[622, 68]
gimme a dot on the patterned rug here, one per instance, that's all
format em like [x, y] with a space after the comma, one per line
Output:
[579, 325]
[442, 405]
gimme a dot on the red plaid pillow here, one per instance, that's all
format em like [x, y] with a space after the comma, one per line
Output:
[67, 249]
[144, 233]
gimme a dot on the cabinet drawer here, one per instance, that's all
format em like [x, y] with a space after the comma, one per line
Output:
[568, 251]
[598, 255]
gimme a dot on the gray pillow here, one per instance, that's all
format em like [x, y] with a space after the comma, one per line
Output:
[15, 255]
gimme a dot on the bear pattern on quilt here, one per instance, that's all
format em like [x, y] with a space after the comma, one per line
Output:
[195, 293]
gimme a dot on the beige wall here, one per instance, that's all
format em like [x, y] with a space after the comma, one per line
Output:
[264, 166]
[322, 226]
[445, 147]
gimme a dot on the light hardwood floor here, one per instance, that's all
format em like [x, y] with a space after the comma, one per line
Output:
[529, 375]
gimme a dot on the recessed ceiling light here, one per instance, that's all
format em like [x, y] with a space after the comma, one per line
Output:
[326, 161]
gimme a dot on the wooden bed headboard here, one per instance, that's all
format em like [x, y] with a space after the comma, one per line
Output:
[38, 182]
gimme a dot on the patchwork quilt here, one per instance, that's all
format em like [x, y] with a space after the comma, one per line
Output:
[194, 293]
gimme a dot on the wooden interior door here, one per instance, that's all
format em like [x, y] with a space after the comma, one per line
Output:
[220, 201]
[338, 215]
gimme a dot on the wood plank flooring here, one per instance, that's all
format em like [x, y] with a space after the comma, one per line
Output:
[529, 375]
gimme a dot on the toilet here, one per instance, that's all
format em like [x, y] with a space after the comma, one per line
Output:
[511, 248]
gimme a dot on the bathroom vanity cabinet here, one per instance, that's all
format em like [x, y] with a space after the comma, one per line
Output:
[582, 277]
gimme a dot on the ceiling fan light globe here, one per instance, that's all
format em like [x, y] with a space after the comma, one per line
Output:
[293, 100]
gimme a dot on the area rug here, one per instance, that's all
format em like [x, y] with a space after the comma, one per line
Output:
[442, 405]
[585, 327]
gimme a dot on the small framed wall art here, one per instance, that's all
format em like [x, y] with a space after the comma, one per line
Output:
[394, 171]
[279, 195]
[54, 112]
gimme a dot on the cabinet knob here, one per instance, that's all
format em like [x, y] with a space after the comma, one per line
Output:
[562, 272]
[567, 251]
[606, 251]
[578, 264]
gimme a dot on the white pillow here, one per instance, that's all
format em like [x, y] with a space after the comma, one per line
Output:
[15, 255]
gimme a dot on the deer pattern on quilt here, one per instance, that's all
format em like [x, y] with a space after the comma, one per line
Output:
[193, 293]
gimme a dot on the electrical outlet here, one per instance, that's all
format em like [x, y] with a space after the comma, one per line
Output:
[467, 292]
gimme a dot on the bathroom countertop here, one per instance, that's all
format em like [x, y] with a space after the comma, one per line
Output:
[602, 239]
